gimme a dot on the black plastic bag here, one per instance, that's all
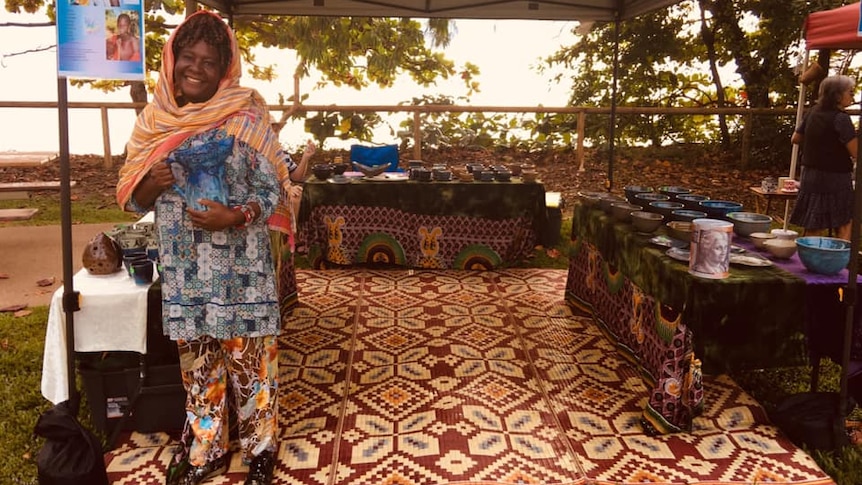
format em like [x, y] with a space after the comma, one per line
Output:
[71, 454]
[811, 419]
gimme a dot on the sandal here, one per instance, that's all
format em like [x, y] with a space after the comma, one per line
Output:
[261, 469]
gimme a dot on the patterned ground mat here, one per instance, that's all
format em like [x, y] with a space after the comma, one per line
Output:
[405, 377]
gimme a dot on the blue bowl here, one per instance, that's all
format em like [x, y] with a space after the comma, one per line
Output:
[718, 209]
[823, 255]
[691, 201]
[686, 215]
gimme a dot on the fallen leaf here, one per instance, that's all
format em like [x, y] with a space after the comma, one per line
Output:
[13, 308]
[22, 313]
[553, 253]
[46, 281]
[4, 345]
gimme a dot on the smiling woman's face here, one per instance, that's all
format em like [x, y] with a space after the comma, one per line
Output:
[197, 72]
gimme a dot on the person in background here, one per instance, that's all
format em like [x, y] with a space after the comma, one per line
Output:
[298, 172]
[218, 283]
[825, 200]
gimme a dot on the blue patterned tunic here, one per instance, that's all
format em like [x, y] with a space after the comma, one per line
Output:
[222, 283]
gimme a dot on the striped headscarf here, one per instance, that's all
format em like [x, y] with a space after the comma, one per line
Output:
[163, 125]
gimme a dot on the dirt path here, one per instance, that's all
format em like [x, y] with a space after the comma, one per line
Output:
[32, 253]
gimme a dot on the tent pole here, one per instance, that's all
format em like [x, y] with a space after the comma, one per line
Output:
[613, 120]
[794, 149]
[70, 300]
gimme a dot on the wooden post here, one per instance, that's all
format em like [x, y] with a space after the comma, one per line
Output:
[746, 140]
[582, 121]
[417, 136]
[106, 138]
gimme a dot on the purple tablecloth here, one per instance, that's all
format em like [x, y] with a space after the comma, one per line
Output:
[825, 314]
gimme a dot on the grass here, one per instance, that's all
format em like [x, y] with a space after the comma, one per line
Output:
[22, 341]
[86, 209]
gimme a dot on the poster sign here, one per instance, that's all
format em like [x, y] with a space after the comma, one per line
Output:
[100, 39]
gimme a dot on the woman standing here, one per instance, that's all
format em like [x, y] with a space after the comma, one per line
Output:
[204, 157]
[825, 200]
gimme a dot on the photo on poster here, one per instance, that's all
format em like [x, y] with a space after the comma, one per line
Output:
[123, 41]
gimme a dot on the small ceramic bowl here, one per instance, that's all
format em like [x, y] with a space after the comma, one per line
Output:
[632, 190]
[781, 248]
[673, 191]
[758, 238]
[691, 201]
[664, 207]
[607, 200]
[718, 209]
[644, 221]
[322, 171]
[643, 199]
[789, 234]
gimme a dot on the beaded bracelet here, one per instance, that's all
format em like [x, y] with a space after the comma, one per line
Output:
[247, 212]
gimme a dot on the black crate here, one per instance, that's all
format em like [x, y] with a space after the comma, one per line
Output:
[110, 391]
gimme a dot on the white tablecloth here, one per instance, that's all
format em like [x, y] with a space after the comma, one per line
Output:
[113, 316]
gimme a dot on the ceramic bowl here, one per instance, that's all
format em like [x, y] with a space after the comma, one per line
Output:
[789, 234]
[686, 215]
[780, 248]
[680, 230]
[823, 255]
[664, 207]
[758, 238]
[744, 223]
[370, 171]
[644, 221]
[692, 201]
[622, 211]
[673, 191]
[321, 171]
[718, 209]
[632, 190]
[643, 199]
[529, 176]
[339, 168]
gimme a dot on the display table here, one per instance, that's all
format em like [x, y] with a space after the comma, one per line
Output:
[763, 199]
[464, 225]
[113, 317]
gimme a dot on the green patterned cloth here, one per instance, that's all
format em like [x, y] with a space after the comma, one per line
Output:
[755, 318]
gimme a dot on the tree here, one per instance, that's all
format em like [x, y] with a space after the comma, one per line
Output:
[351, 51]
[678, 57]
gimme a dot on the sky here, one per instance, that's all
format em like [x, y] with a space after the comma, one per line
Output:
[506, 52]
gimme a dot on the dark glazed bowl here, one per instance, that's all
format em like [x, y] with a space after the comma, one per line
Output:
[691, 201]
[718, 209]
[339, 168]
[322, 171]
[673, 191]
[664, 207]
[686, 215]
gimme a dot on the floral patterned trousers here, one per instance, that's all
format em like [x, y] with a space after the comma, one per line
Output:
[249, 367]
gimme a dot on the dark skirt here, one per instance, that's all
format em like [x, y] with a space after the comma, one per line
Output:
[825, 200]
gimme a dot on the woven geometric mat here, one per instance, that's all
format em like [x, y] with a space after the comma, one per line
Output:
[457, 377]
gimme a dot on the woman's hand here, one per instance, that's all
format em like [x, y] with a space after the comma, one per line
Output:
[217, 217]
